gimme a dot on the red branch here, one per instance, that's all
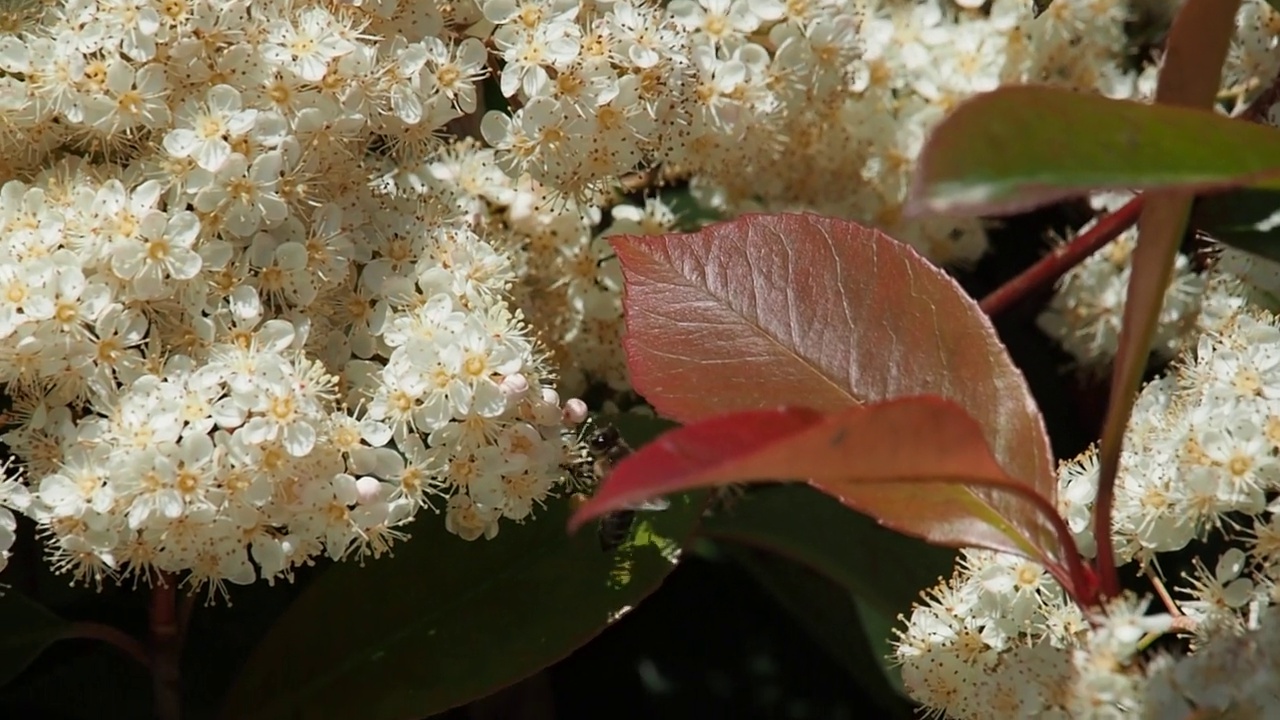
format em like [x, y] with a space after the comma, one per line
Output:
[166, 651]
[1049, 268]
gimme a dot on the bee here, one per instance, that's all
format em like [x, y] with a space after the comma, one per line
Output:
[607, 448]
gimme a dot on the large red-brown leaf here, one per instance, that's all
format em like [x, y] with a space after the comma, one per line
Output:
[802, 310]
[918, 465]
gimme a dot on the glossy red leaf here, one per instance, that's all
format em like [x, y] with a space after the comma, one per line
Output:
[801, 310]
[918, 465]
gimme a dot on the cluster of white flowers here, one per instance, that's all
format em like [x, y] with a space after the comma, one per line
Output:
[1235, 676]
[230, 342]
[851, 145]
[1199, 474]
[275, 275]
[1001, 640]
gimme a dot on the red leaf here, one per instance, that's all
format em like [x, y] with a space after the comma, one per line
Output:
[918, 465]
[801, 310]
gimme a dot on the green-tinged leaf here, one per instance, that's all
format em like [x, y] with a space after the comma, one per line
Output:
[830, 615]
[1245, 219]
[445, 621]
[883, 567]
[26, 629]
[1195, 52]
[918, 465]
[1016, 148]
[530, 699]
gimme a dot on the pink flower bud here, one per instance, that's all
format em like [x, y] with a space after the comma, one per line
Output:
[550, 397]
[575, 411]
[515, 385]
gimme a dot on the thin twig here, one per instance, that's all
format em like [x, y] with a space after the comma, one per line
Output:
[1163, 593]
[122, 641]
[1049, 268]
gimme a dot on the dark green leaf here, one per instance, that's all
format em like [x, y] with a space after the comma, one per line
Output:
[884, 569]
[80, 680]
[1020, 147]
[1247, 219]
[831, 616]
[445, 621]
[690, 214]
[878, 628]
[25, 631]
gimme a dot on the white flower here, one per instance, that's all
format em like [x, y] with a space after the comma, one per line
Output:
[308, 44]
[204, 128]
[246, 194]
[162, 249]
[456, 72]
[469, 521]
[718, 22]
[529, 55]
[132, 97]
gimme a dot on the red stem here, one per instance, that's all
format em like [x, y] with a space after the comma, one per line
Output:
[166, 650]
[1049, 268]
[1105, 561]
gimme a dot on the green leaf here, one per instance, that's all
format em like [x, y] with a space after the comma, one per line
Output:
[831, 616]
[1246, 219]
[26, 629]
[445, 621]
[1020, 147]
[885, 569]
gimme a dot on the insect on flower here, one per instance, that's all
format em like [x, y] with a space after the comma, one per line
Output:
[607, 448]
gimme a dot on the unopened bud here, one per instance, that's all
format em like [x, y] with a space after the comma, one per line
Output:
[514, 386]
[575, 411]
[550, 397]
